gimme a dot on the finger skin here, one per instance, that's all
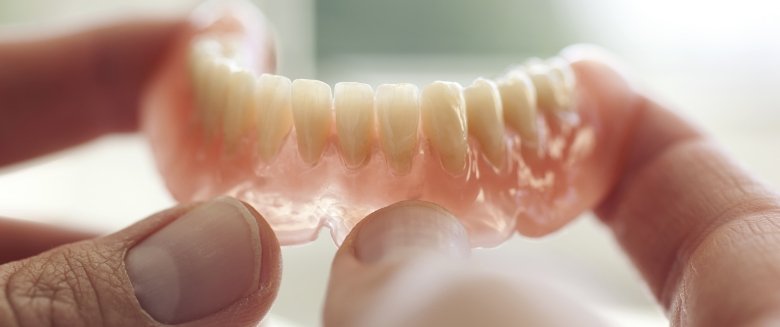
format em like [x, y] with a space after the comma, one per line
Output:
[57, 91]
[431, 285]
[86, 283]
[701, 230]
[22, 239]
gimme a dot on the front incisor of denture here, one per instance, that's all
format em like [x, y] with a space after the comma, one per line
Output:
[398, 118]
[312, 116]
[518, 99]
[484, 113]
[271, 108]
[235, 121]
[443, 114]
[354, 111]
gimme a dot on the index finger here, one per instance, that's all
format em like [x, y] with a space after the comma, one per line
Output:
[701, 230]
[60, 90]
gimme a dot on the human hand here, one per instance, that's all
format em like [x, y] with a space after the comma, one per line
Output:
[200, 265]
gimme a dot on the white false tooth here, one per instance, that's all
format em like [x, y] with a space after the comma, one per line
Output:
[236, 116]
[567, 80]
[398, 118]
[215, 97]
[271, 106]
[443, 114]
[485, 119]
[551, 91]
[198, 63]
[354, 106]
[201, 67]
[311, 108]
[518, 98]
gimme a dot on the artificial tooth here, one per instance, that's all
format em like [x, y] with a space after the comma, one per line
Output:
[561, 69]
[311, 108]
[486, 122]
[518, 99]
[354, 107]
[398, 117]
[198, 63]
[443, 114]
[271, 106]
[200, 68]
[215, 96]
[551, 89]
[235, 118]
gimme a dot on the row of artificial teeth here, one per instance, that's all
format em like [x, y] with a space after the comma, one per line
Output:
[234, 101]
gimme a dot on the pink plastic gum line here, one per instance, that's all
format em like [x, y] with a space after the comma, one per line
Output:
[544, 188]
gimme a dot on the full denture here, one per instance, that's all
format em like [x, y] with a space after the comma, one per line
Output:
[499, 154]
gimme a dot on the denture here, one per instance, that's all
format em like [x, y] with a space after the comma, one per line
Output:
[513, 153]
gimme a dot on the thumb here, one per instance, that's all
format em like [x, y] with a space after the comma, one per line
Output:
[215, 263]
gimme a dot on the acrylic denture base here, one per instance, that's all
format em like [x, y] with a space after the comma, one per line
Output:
[501, 154]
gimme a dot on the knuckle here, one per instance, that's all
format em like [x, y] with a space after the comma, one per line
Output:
[750, 237]
[749, 240]
[752, 223]
[63, 286]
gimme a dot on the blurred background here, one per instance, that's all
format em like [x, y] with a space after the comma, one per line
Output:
[717, 61]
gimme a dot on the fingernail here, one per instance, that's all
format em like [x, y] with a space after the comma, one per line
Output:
[198, 264]
[410, 228]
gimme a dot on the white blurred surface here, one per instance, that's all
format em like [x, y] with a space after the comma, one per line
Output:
[718, 61]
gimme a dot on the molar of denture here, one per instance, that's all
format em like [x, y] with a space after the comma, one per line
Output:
[235, 117]
[443, 114]
[484, 113]
[354, 111]
[271, 105]
[518, 99]
[398, 116]
[311, 108]
[551, 89]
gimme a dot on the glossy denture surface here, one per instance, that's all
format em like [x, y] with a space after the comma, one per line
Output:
[514, 153]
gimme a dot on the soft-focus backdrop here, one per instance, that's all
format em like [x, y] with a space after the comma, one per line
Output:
[717, 61]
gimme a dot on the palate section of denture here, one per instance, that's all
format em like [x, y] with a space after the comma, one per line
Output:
[484, 114]
[312, 116]
[398, 118]
[443, 115]
[354, 114]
